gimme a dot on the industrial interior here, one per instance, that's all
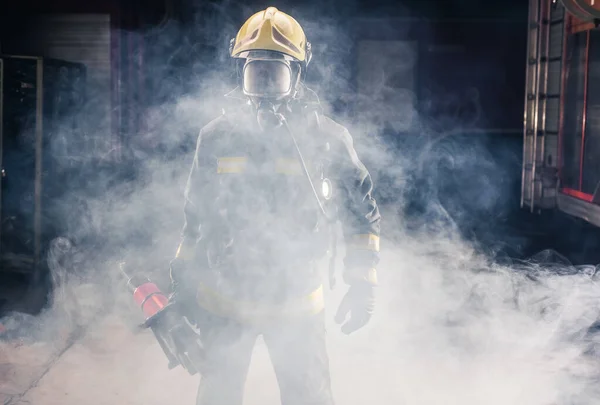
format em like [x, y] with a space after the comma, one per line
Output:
[475, 119]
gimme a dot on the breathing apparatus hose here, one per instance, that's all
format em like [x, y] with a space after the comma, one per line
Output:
[330, 220]
[305, 169]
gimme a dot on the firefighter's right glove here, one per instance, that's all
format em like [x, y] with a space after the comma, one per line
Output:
[181, 282]
[176, 271]
[358, 303]
[182, 287]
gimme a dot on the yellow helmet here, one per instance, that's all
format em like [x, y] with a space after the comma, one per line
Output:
[272, 30]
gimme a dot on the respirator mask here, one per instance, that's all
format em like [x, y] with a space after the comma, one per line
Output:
[269, 79]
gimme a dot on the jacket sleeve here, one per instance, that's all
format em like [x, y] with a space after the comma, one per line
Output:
[191, 212]
[358, 212]
[179, 269]
[197, 196]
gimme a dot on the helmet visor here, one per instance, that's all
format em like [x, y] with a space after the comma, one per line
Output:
[267, 78]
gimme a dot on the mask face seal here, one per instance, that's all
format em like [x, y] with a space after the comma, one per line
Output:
[270, 79]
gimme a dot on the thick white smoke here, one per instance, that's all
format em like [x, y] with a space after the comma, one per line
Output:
[452, 326]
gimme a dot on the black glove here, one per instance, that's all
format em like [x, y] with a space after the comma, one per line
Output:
[181, 285]
[359, 303]
[183, 290]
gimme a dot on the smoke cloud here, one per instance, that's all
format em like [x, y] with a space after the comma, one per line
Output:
[455, 322]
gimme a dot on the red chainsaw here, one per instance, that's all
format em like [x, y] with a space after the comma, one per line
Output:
[179, 340]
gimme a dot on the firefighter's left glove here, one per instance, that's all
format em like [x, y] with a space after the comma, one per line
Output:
[357, 306]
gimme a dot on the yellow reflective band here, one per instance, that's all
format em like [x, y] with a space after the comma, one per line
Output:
[231, 164]
[372, 276]
[364, 242]
[184, 253]
[257, 313]
[288, 166]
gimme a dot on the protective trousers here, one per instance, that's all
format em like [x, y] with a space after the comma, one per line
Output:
[297, 350]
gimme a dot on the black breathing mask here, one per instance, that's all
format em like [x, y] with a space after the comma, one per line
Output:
[270, 80]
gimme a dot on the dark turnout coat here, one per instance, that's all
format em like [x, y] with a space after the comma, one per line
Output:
[253, 228]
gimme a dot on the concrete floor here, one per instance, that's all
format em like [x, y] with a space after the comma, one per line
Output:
[426, 345]
[112, 363]
[118, 367]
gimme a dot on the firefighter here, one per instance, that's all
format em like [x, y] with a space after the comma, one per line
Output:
[270, 178]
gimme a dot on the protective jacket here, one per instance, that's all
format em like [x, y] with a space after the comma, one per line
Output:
[253, 229]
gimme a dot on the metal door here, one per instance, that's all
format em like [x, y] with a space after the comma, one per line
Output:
[21, 166]
[386, 82]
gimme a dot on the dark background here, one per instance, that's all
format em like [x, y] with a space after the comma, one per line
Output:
[463, 153]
